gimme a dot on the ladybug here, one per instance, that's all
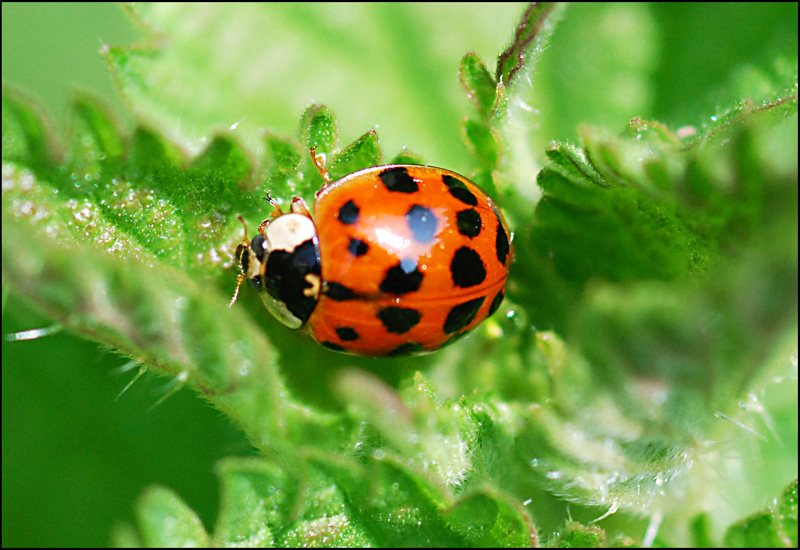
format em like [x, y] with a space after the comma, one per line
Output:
[397, 260]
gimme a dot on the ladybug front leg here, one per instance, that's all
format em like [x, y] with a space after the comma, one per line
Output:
[277, 211]
[299, 206]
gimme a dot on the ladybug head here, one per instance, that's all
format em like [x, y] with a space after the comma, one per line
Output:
[282, 263]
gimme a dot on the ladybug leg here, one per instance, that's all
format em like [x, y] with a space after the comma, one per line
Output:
[276, 212]
[245, 242]
[299, 206]
[319, 162]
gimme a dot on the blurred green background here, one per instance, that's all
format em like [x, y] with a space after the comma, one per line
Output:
[74, 458]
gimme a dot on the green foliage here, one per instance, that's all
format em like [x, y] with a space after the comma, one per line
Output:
[775, 527]
[654, 291]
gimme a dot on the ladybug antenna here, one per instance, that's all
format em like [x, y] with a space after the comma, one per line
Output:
[239, 280]
[241, 219]
[239, 251]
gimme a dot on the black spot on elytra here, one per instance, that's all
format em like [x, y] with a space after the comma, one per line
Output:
[357, 247]
[398, 180]
[348, 213]
[422, 223]
[459, 190]
[501, 243]
[462, 315]
[339, 292]
[398, 320]
[468, 222]
[498, 299]
[402, 278]
[347, 334]
[332, 346]
[467, 268]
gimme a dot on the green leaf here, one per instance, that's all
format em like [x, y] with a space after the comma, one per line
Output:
[482, 143]
[256, 497]
[529, 40]
[786, 515]
[165, 520]
[488, 519]
[651, 307]
[390, 501]
[283, 157]
[478, 83]
[700, 528]
[407, 157]
[571, 163]
[26, 138]
[581, 536]
[362, 153]
[429, 429]
[100, 132]
[318, 129]
[757, 530]
[257, 67]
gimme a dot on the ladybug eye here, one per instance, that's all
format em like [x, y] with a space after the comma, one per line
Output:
[257, 246]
